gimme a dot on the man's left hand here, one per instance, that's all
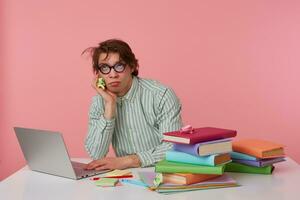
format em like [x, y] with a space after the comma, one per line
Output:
[114, 163]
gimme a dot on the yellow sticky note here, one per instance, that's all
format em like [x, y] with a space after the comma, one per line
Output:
[106, 182]
[118, 172]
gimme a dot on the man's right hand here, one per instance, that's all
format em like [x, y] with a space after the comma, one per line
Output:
[110, 99]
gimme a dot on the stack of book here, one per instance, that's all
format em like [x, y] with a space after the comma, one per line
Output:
[147, 177]
[198, 156]
[255, 156]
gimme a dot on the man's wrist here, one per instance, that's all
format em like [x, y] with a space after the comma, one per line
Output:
[133, 161]
[110, 109]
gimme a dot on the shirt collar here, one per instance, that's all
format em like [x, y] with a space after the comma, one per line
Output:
[131, 93]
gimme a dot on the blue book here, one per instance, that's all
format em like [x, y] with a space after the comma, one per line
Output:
[212, 160]
[260, 163]
[242, 156]
[205, 148]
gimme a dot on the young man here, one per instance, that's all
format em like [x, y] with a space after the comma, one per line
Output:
[131, 113]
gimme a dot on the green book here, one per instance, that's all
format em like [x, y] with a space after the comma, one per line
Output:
[241, 168]
[175, 167]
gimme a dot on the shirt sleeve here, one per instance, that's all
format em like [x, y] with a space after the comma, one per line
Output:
[168, 119]
[100, 130]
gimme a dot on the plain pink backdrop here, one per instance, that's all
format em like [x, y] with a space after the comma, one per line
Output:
[234, 64]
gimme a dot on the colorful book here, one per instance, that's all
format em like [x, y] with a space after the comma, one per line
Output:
[242, 168]
[165, 166]
[167, 188]
[198, 135]
[187, 179]
[260, 163]
[242, 156]
[199, 186]
[205, 148]
[258, 148]
[212, 160]
[219, 182]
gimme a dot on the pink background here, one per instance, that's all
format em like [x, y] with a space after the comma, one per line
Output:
[233, 64]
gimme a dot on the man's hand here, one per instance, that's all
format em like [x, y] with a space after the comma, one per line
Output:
[114, 163]
[110, 99]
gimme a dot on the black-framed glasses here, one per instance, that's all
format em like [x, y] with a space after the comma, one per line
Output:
[105, 68]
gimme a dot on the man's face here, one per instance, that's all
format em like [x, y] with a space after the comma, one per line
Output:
[116, 82]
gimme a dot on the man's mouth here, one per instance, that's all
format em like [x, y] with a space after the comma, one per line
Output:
[114, 84]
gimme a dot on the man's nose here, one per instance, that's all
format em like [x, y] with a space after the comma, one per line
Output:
[113, 74]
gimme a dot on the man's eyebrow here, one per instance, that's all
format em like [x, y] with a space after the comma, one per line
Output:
[102, 63]
[118, 62]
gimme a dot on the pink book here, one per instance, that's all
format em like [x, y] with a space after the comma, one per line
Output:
[198, 135]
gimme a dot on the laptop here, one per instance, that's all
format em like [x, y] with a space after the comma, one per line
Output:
[45, 151]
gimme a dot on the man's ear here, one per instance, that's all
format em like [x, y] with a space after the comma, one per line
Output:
[132, 69]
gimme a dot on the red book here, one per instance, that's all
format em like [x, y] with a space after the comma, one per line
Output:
[198, 135]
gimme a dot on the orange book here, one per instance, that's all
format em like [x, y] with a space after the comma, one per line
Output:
[258, 148]
[187, 179]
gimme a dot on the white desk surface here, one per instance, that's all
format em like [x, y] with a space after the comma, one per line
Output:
[29, 185]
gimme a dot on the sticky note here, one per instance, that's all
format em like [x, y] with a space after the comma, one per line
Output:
[158, 179]
[106, 182]
[118, 172]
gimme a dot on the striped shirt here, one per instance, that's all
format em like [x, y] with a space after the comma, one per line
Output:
[142, 116]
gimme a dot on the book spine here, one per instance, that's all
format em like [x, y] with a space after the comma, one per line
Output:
[241, 168]
[237, 155]
[248, 150]
[186, 168]
[266, 162]
[182, 157]
[248, 162]
[187, 148]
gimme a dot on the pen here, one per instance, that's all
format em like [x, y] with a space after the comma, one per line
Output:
[125, 176]
[134, 182]
[98, 178]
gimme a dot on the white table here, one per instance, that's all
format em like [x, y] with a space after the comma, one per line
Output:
[29, 185]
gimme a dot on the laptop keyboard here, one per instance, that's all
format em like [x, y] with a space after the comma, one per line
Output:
[82, 173]
[78, 165]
